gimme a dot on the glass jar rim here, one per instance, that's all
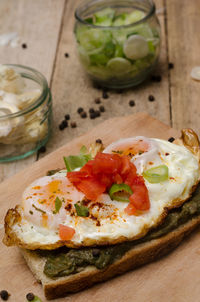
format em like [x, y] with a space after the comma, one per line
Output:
[146, 17]
[39, 100]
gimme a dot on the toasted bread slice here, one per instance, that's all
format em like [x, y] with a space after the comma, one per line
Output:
[140, 254]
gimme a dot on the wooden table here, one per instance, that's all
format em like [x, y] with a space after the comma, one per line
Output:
[46, 26]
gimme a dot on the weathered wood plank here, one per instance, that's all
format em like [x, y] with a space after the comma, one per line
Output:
[38, 25]
[71, 88]
[183, 23]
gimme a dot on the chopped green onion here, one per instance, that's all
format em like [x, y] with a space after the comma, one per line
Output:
[156, 174]
[89, 20]
[37, 299]
[120, 192]
[58, 204]
[73, 162]
[83, 150]
[81, 210]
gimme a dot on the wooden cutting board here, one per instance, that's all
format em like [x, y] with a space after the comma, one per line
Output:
[174, 278]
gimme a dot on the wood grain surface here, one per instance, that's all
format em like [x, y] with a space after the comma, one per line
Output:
[46, 26]
[174, 278]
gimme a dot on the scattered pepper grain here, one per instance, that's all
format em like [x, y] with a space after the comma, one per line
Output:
[171, 139]
[83, 114]
[30, 296]
[131, 103]
[91, 110]
[102, 108]
[42, 149]
[24, 45]
[73, 125]
[151, 98]
[92, 115]
[171, 65]
[156, 78]
[66, 55]
[97, 113]
[98, 141]
[97, 101]
[105, 94]
[4, 295]
[80, 109]
[67, 117]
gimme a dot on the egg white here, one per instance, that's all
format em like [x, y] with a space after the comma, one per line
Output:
[111, 224]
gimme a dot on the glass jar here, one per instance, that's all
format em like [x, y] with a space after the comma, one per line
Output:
[23, 131]
[118, 41]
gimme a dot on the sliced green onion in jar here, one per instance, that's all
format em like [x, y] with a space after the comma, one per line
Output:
[156, 174]
[120, 192]
[81, 210]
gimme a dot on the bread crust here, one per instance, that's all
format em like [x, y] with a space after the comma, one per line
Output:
[141, 254]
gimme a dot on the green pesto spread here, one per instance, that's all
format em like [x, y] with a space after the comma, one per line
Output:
[63, 262]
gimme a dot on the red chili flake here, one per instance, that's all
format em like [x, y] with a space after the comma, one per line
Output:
[68, 207]
[166, 154]
[98, 223]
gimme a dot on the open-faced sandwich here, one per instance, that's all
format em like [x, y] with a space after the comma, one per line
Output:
[110, 211]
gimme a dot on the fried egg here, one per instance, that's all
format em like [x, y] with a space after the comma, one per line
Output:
[36, 220]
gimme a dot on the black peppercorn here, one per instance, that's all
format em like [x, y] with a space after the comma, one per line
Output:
[97, 101]
[97, 113]
[151, 98]
[67, 117]
[42, 149]
[73, 125]
[91, 110]
[131, 103]
[171, 139]
[66, 55]
[83, 114]
[93, 115]
[156, 78]
[102, 108]
[64, 124]
[171, 65]
[79, 110]
[24, 45]
[98, 141]
[4, 295]
[105, 94]
[30, 296]
[96, 252]
[61, 127]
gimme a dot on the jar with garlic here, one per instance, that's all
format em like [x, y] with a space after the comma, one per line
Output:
[25, 112]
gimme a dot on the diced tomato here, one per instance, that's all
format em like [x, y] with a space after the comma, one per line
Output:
[92, 188]
[127, 166]
[98, 175]
[130, 209]
[140, 197]
[106, 163]
[65, 232]
[88, 167]
[106, 180]
[138, 180]
[77, 176]
[117, 179]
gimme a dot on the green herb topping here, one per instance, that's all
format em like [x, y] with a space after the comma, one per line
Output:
[81, 210]
[58, 204]
[73, 162]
